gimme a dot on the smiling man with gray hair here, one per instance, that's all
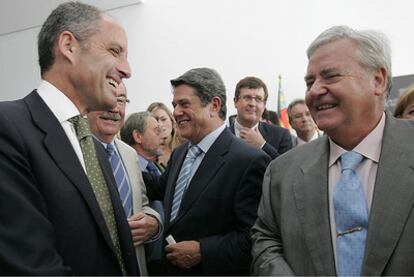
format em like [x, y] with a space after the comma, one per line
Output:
[342, 204]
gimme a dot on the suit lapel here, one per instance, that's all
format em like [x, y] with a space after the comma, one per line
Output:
[173, 169]
[311, 196]
[393, 197]
[57, 144]
[212, 161]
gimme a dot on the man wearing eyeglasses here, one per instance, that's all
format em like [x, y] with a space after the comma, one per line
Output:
[145, 223]
[250, 101]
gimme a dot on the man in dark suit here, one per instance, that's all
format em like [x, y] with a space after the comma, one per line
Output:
[211, 186]
[58, 219]
[342, 204]
[250, 101]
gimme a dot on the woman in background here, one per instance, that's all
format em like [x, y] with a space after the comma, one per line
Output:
[405, 104]
[168, 130]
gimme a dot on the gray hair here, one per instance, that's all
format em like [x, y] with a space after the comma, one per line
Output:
[374, 48]
[291, 105]
[80, 19]
[207, 83]
[135, 121]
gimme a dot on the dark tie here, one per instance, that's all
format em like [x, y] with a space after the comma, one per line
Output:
[351, 217]
[97, 181]
[183, 178]
[152, 168]
[121, 179]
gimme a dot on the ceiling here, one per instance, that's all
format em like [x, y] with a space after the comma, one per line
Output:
[19, 15]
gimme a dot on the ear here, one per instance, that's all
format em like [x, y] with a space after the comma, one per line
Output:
[380, 81]
[137, 137]
[215, 104]
[235, 99]
[68, 45]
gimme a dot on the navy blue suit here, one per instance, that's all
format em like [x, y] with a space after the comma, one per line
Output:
[51, 223]
[219, 206]
[278, 139]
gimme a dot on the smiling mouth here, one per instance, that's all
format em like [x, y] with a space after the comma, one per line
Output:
[325, 107]
[112, 82]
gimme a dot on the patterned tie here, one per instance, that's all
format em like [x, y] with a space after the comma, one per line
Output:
[351, 216]
[97, 181]
[183, 178]
[152, 168]
[121, 179]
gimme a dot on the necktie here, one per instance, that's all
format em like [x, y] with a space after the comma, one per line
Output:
[121, 179]
[351, 216]
[183, 178]
[152, 168]
[97, 181]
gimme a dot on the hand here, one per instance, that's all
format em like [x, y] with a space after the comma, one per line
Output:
[143, 227]
[252, 136]
[184, 254]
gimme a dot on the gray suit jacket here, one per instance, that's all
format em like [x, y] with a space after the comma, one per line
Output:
[292, 234]
[139, 196]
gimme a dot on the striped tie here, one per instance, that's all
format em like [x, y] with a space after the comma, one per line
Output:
[121, 179]
[183, 179]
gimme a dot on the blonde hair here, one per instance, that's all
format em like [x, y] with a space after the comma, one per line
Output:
[175, 137]
[403, 101]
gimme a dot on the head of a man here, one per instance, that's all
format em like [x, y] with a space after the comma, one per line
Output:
[405, 104]
[347, 79]
[143, 133]
[105, 125]
[199, 103]
[250, 101]
[301, 120]
[83, 53]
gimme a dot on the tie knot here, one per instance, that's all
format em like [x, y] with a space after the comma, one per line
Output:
[194, 151]
[81, 126]
[350, 160]
[110, 149]
[152, 168]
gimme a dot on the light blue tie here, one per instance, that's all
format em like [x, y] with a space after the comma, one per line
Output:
[183, 178]
[121, 179]
[351, 216]
[152, 168]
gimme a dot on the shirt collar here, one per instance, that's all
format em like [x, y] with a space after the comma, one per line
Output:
[369, 147]
[208, 140]
[60, 105]
[238, 126]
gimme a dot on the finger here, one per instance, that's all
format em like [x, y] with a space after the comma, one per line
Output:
[136, 216]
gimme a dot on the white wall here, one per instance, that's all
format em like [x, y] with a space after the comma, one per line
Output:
[236, 37]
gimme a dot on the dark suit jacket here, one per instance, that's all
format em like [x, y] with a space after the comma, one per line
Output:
[50, 220]
[292, 234]
[278, 139]
[219, 206]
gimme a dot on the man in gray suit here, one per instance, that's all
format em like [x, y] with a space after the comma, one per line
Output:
[300, 215]
[145, 223]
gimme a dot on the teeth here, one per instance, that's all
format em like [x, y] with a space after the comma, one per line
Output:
[113, 83]
[326, 106]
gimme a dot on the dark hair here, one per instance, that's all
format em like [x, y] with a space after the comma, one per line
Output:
[270, 116]
[291, 105]
[80, 19]
[207, 83]
[251, 83]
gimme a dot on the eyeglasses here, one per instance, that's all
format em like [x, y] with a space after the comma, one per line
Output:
[122, 100]
[249, 98]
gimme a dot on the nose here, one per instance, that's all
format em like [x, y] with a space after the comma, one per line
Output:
[317, 88]
[124, 68]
